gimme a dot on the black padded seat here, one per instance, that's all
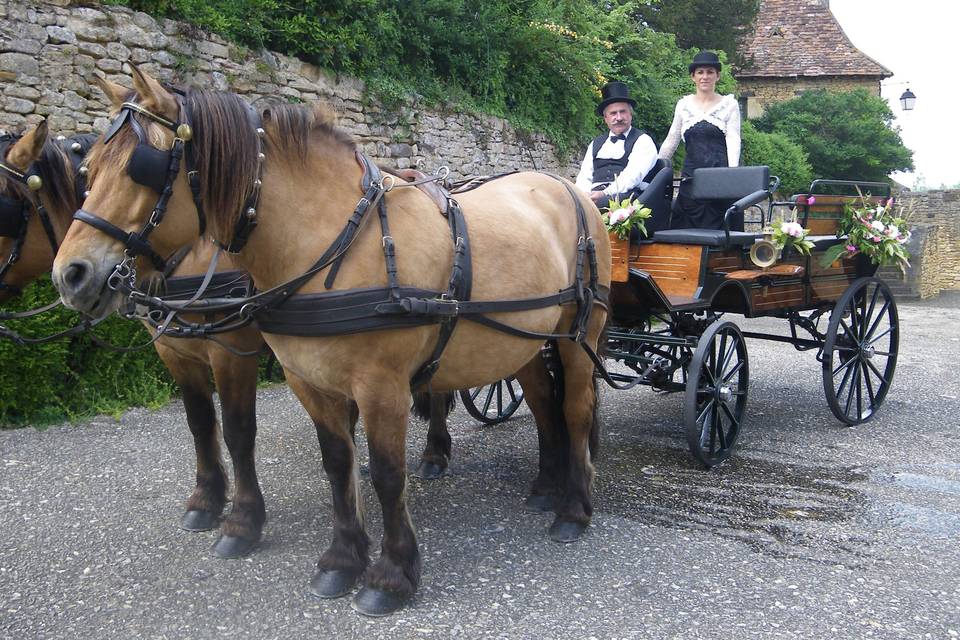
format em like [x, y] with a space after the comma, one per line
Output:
[706, 237]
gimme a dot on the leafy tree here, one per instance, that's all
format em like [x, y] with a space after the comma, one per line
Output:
[702, 24]
[847, 136]
[787, 160]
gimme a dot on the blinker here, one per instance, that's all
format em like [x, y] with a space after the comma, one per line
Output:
[11, 217]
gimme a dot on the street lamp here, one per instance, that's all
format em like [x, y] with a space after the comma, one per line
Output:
[907, 100]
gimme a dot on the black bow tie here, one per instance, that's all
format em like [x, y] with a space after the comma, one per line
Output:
[619, 137]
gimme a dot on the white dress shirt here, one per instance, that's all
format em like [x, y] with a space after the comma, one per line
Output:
[641, 160]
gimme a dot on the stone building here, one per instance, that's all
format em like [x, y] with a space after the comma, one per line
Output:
[798, 46]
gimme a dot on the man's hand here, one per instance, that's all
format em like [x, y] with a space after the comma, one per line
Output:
[596, 195]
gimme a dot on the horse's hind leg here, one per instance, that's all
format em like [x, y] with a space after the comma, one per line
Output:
[540, 395]
[342, 564]
[580, 414]
[236, 379]
[209, 495]
[436, 453]
[393, 579]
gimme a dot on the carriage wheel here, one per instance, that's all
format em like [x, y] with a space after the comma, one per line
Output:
[860, 350]
[493, 403]
[716, 394]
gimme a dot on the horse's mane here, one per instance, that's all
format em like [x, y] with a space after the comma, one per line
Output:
[225, 148]
[55, 170]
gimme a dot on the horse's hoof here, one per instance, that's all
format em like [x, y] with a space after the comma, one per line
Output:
[565, 531]
[540, 503]
[377, 603]
[334, 583]
[198, 520]
[229, 547]
[430, 471]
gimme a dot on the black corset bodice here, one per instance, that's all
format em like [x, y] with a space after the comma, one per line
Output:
[706, 146]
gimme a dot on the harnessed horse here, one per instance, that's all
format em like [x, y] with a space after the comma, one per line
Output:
[33, 220]
[279, 192]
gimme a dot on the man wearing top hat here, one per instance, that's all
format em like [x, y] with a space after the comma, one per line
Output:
[616, 162]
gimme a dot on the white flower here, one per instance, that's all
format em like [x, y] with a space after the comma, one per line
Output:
[879, 210]
[792, 229]
[877, 226]
[893, 231]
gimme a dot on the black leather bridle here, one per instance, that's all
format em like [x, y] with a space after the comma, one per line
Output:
[15, 212]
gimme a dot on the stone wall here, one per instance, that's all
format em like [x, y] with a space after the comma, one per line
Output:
[757, 93]
[49, 50]
[935, 246]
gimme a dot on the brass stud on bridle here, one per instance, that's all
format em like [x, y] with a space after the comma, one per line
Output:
[185, 132]
[34, 183]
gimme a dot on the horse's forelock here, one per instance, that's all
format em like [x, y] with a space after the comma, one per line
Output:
[56, 171]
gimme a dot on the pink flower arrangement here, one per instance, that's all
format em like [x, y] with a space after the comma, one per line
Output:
[621, 217]
[879, 232]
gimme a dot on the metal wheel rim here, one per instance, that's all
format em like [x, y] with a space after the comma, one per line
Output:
[860, 351]
[493, 403]
[716, 395]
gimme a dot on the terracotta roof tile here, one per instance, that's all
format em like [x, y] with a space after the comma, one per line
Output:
[803, 38]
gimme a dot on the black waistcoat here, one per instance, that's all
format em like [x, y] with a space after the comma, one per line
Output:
[606, 169]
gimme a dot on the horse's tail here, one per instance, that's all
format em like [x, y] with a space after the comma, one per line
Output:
[421, 403]
[554, 363]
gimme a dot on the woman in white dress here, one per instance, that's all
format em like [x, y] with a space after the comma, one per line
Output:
[709, 124]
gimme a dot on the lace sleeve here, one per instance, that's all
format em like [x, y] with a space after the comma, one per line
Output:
[733, 134]
[672, 141]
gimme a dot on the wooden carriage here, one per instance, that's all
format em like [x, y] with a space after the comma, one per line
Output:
[671, 292]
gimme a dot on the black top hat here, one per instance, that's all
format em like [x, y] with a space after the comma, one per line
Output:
[705, 59]
[614, 92]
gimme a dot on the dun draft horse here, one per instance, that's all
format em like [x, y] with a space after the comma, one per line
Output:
[41, 185]
[354, 315]
[39, 191]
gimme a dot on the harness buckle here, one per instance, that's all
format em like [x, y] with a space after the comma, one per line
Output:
[383, 241]
[383, 186]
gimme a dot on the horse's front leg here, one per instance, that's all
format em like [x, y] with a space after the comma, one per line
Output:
[344, 561]
[209, 495]
[394, 578]
[236, 380]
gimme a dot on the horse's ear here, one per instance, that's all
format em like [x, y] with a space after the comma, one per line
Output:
[152, 94]
[115, 92]
[27, 149]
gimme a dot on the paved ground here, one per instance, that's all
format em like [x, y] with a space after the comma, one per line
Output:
[813, 530]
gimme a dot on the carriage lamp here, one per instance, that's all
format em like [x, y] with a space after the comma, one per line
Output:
[907, 100]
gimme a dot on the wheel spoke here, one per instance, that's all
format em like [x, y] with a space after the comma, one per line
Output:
[721, 435]
[511, 391]
[486, 403]
[869, 312]
[727, 356]
[869, 384]
[886, 332]
[843, 365]
[879, 319]
[702, 417]
[884, 382]
[859, 388]
[846, 376]
[736, 368]
[733, 418]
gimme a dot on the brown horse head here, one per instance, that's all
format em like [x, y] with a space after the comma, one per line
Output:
[222, 146]
[36, 182]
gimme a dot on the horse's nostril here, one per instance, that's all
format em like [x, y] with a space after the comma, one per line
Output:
[74, 275]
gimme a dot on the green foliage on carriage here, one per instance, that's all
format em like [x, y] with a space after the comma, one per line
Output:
[847, 136]
[786, 159]
[538, 63]
[73, 378]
